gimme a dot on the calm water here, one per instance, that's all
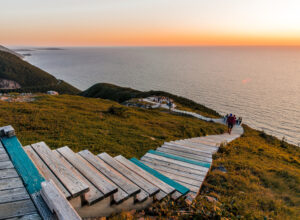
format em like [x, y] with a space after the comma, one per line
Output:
[260, 84]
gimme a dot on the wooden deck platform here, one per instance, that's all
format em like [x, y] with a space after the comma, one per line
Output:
[15, 201]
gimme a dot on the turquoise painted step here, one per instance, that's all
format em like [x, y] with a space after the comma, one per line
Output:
[180, 188]
[26, 169]
[207, 165]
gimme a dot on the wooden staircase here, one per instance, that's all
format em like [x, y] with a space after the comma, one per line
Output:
[100, 185]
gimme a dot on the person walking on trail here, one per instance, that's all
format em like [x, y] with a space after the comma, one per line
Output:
[230, 123]
[225, 118]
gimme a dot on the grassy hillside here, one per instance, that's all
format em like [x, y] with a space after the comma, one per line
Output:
[121, 94]
[31, 78]
[261, 181]
[98, 125]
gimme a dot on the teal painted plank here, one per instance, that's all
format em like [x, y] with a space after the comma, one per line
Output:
[180, 188]
[207, 165]
[26, 169]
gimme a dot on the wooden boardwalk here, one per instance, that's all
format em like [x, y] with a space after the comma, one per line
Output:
[15, 201]
[101, 185]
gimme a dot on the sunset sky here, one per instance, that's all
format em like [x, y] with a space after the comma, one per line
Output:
[149, 22]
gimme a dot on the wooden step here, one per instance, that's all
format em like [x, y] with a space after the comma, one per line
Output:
[212, 142]
[174, 157]
[93, 195]
[176, 195]
[2, 150]
[206, 147]
[202, 150]
[207, 142]
[110, 173]
[167, 189]
[185, 155]
[11, 195]
[177, 178]
[10, 183]
[175, 172]
[178, 162]
[189, 150]
[17, 209]
[57, 202]
[203, 145]
[69, 180]
[174, 184]
[193, 189]
[141, 182]
[6, 165]
[4, 157]
[91, 174]
[173, 166]
[44, 170]
[8, 173]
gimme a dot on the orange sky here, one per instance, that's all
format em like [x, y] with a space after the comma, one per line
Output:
[141, 22]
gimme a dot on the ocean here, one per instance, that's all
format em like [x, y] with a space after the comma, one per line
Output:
[260, 84]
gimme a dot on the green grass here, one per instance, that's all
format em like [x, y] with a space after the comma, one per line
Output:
[262, 182]
[98, 125]
[263, 173]
[31, 78]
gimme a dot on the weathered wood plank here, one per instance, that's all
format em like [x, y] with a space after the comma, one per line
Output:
[188, 150]
[174, 166]
[57, 202]
[44, 170]
[189, 165]
[206, 143]
[194, 146]
[142, 183]
[203, 147]
[161, 195]
[27, 217]
[205, 140]
[110, 173]
[89, 172]
[68, 179]
[2, 150]
[11, 183]
[192, 188]
[15, 209]
[176, 172]
[144, 174]
[142, 196]
[182, 179]
[93, 195]
[176, 195]
[6, 165]
[174, 184]
[26, 169]
[12, 195]
[8, 173]
[185, 155]
[42, 207]
[204, 151]
[4, 157]
[174, 157]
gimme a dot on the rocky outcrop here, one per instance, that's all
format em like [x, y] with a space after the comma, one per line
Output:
[9, 84]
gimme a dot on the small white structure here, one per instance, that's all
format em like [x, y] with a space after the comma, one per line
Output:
[52, 93]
